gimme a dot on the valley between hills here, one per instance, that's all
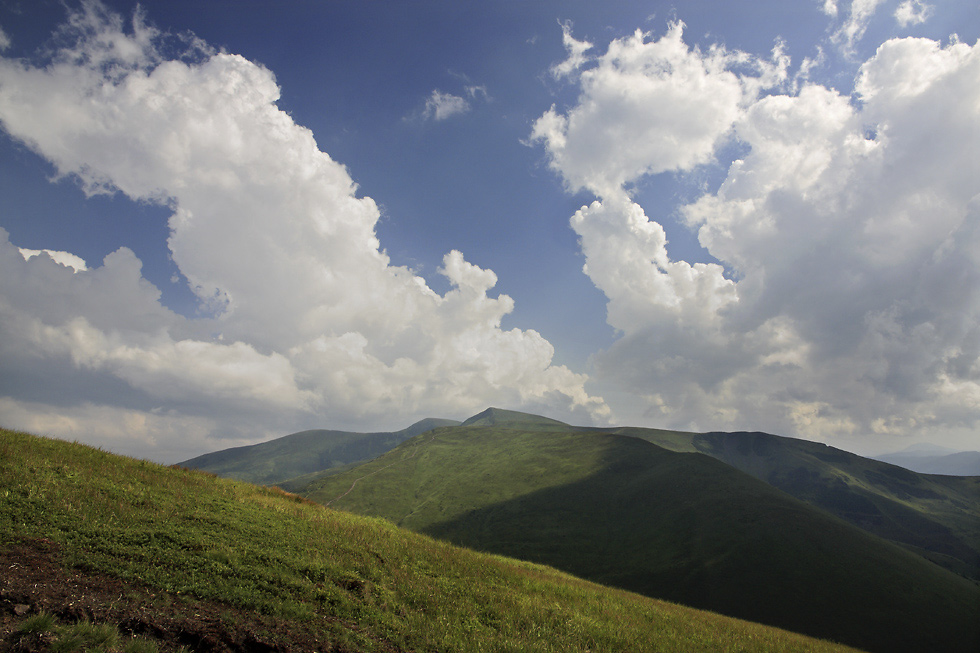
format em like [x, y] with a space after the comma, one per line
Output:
[506, 532]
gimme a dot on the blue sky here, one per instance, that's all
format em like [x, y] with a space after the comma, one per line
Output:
[358, 214]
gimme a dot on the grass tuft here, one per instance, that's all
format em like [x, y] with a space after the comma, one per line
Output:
[80, 637]
[136, 645]
[38, 624]
[86, 636]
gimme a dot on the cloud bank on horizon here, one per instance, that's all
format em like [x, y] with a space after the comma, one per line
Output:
[845, 300]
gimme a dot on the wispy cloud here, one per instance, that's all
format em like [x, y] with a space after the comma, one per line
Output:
[913, 12]
[575, 50]
[441, 106]
[854, 26]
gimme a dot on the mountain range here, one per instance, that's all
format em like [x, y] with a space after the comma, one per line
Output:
[928, 459]
[774, 530]
[306, 452]
[937, 517]
[100, 552]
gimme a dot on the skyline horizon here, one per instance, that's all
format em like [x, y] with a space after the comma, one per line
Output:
[218, 225]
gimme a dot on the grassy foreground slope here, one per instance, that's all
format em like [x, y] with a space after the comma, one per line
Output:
[938, 517]
[622, 511]
[304, 453]
[305, 577]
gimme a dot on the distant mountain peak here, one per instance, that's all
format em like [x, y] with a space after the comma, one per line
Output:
[926, 449]
[428, 424]
[499, 417]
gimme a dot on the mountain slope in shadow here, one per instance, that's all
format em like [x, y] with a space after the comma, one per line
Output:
[937, 517]
[685, 527]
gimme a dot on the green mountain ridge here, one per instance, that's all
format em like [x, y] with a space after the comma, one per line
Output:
[512, 418]
[184, 558]
[622, 511]
[306, 452]
[936, 517]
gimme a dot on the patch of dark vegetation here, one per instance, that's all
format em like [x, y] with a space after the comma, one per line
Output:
[833, 495]
[901, 482]
[831, 455]
[935, 516]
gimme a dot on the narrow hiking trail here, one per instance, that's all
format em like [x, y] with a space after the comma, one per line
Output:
[415, 450]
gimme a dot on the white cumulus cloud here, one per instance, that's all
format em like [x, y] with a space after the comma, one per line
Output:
[850, 229]
[649, 106]
[69, 260]
[273, 238]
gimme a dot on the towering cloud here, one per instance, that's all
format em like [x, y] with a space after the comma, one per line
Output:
[848, 295]
[306, 315]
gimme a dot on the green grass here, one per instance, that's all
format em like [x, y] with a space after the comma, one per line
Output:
[360, 583]
[622, 511]
[80, 637]
[86, 636]
[38, 624]
[444, 473]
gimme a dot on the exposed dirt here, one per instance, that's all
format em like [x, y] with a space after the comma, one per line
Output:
[33, 578]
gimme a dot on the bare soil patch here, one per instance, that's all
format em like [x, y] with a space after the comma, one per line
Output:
[33, 579]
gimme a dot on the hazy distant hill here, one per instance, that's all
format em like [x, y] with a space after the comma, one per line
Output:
[304, 453]
[620, 510]
[936, 516]
[960, 463]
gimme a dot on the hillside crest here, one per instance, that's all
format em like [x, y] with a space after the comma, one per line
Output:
[512, 418]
